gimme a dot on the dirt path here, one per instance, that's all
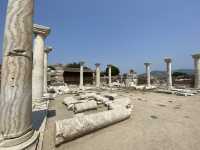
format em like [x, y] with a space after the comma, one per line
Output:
[158, 122]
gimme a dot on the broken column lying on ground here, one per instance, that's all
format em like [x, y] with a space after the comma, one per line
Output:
[81, 107]
[196, 58]
[168, 62]
[46, 52]
[16, 101]
[70, 129]
[41, 32]
[98, 76]
[148, 74]
[81, 75]
[109, 75]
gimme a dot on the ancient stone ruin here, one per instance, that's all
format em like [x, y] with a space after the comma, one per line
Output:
[33, 92]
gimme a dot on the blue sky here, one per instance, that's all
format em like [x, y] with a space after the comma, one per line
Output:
[126, 33]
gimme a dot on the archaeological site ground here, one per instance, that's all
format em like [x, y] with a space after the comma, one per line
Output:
[74, 106]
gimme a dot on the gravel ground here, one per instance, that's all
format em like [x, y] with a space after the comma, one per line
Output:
[158, 122]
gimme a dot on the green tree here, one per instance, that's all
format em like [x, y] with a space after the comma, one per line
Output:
[73, 65]
[114, 70]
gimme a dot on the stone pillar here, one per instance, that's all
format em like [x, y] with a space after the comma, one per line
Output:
[98, 75]
[41, 32]
[93, 78]
[81, 75]
[168, 62]
[196, 58]
[16, 78]
[148, 73]
[110, 75]
[46, 52]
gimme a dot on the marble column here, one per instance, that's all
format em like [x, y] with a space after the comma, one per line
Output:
[81, 75]
[16, 81]
[98, 75]
[168, 62]
[109, 75]
[41, 32]
[46, 52]
[148, 73]
[196, 58]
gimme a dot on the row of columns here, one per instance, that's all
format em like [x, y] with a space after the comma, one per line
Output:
[98, 75]
[16, 78]
[168, 62]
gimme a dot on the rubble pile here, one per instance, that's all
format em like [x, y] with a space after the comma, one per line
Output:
[179, 92]
[118, 109]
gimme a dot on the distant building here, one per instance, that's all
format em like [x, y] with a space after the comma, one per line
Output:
[72, 75]
[131, 78]
[60, 75]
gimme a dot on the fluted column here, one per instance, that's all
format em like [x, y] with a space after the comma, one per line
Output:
[168, 62]
[98, 78]
[41, 32]
[81, 74]
[16, 81]
[196, 58]
[46, 52]
[148, 73]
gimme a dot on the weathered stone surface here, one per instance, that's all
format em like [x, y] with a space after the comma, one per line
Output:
[15, 103]
[46, 52]
[81, 75]
[148, 72]
[38, 61]
[81, 107]
[196, 58]
[98, 82]
[110, 75]
[70, 100]
[168, 62]
[70, 129]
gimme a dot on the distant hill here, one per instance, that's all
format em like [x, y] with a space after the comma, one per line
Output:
[187, 71]
[155, 73]
[158, 73]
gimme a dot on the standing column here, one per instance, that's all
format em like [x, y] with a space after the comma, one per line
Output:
[41, 32]
[196, 58]
[109, 75]
[148, 73]
[15, 102]
[168, 62]
[98, 75]
[46, 52]
[81, 75]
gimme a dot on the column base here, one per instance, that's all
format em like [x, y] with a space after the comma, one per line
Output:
[20, 143]
[81, 87]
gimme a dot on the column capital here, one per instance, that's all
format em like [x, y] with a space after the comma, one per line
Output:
[109, 65]
[168, 60]
[48, 49]
[147, 64]
[196, 56]
[42, 30]
[97, 64]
